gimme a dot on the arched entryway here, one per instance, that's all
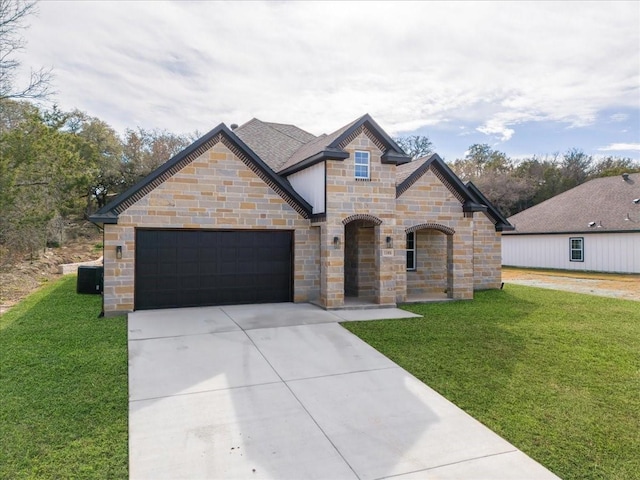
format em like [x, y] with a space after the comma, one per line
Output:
[429, 261]
[360, 258]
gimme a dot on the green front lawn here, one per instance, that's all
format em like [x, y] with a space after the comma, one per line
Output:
[556, 374]
[63, 388]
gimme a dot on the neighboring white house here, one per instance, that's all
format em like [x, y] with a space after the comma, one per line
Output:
[594, 226]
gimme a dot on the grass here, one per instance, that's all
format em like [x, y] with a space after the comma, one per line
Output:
[555, 373]
[63, 384]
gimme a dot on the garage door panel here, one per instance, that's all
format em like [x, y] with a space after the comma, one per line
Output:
[189, 268]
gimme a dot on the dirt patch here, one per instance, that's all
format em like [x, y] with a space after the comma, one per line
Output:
[27, 275]
[602, 284]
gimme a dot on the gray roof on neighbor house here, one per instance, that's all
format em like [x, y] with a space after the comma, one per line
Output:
[606, 203]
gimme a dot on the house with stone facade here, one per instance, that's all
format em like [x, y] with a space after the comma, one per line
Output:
[267, 212]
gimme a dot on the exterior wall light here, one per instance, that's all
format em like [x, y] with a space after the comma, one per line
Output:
[389, 242]
[119, 252]
[336, 242]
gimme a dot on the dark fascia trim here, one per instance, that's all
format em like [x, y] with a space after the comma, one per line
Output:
[436, 162]
[502, 224]
[110, 208]
[470, 206]
[501, 227]
[109, 213]
[411, 179]
[583, 232]
[395, 158]
[394, 153]
[103, 219]
[327, 154]
[319, 217]
[456, 183]
[474, 200]
[281, 182]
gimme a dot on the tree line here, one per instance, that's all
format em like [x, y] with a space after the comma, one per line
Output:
[57, 167]
[513, 185]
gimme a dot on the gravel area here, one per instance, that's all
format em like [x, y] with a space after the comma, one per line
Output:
[602, 284]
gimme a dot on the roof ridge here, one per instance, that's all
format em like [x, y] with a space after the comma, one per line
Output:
[269, 124]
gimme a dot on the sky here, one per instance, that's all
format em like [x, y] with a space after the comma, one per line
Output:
[527, 78]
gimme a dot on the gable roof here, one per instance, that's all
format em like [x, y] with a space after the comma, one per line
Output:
[332, 146]
[606, 201]
[471, 198]
[273, 142]
[109, 213]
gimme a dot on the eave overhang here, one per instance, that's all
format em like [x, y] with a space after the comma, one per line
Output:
[395, 158]
[470, 206]
[326, 154]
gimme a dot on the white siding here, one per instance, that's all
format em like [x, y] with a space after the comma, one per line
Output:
[309, 183]
[603, 252]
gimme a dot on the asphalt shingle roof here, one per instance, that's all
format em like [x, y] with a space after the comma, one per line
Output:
[606, 201]
[404, 171]
[315, 146]
[274, 143]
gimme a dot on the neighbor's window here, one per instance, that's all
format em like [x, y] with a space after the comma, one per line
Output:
[362, 165]
[411, 251]
[576, 244]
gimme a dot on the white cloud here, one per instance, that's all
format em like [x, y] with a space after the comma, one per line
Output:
[619, 117]
[617, 147]
[497, 128]
[186, 66]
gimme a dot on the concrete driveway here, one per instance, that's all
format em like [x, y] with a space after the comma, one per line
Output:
[282, 391]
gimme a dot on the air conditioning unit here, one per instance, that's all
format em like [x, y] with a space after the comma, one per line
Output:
[90, 279]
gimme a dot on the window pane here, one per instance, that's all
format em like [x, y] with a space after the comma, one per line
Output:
[362, 171]
[410, 239]
[410, 262]
[576, 246]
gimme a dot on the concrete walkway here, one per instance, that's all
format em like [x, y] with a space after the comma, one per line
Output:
[282, 391]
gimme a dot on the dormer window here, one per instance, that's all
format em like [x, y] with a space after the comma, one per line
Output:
[362, 162]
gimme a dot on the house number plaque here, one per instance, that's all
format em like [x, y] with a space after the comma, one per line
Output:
[387, 252]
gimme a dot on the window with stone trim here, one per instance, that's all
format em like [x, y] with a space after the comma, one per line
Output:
[411, 251]
[576, 247]
[362, 165]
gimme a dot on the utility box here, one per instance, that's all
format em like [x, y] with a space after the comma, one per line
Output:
[90, 279]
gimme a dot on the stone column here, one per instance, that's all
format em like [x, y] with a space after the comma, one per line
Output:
[462, 260]
[332, 265]
[386, 265]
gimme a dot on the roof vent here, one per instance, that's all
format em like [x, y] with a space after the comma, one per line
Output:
[625, 176]
[235, 125]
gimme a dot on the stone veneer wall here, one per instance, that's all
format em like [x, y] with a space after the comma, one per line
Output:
[215, 191]
[430, 275]
[487, 254]
[429, 201]
[347, 196]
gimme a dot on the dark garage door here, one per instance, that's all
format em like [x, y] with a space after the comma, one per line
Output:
[181, 268]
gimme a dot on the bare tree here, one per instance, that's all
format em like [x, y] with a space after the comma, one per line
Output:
[13, 14]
